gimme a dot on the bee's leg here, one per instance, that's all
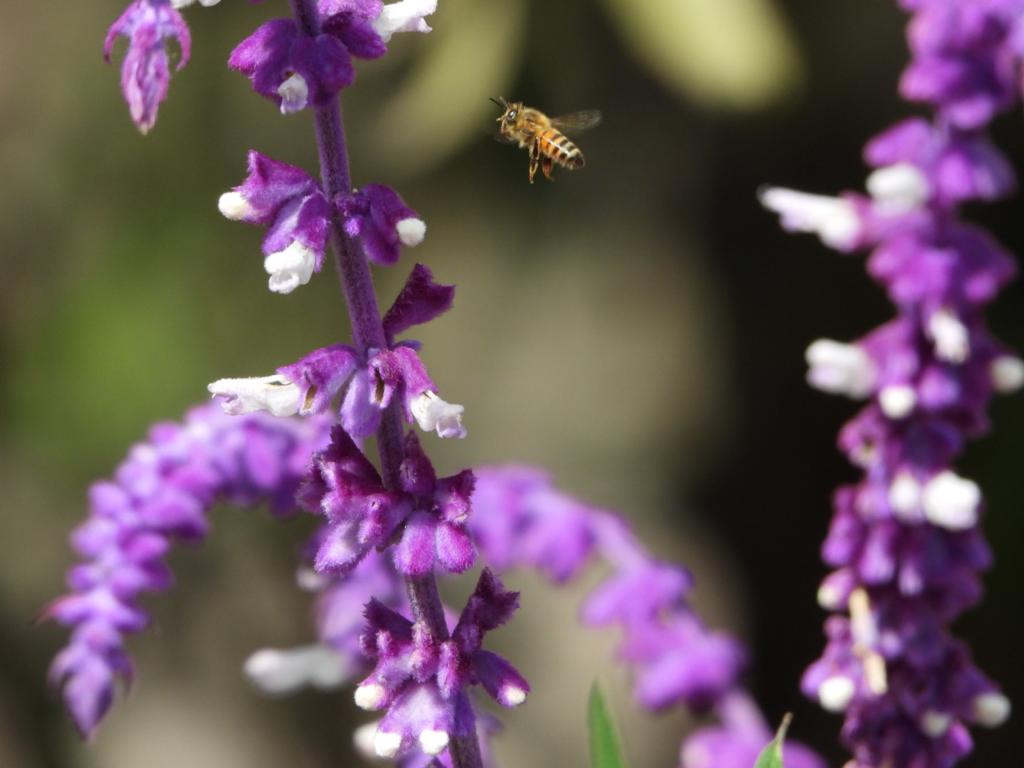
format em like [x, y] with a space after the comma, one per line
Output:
[534, 159]
[547, 165]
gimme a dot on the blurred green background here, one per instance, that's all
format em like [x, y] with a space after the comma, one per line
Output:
[637, 327]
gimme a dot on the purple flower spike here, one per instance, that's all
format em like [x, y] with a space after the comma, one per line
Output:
[162, 492]
[288, 202]
[423, 683]
[292, 69]
[905, 546]
[145, 72]
[382, 222]
[966, 58]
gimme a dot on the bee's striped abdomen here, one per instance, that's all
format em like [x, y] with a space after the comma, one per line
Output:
[556, 145]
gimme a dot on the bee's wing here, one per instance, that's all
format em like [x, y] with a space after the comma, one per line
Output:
[575, 122]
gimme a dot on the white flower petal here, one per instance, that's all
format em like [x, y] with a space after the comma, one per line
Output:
[404, 16]
[274, 394]
[294, 93]
[951, 501]
[511, 695]
[897, 400]
[905, 496]
[840, 368]
[370, 696]
[1007, 374]
[386, 743]
[952, 340]
[991, 709]
[935, 724]
[835, 693]
[411, 231]
[363, 739]
[434, 414]
[234, 206]
[833, 219]
[433, 742]
[290, 268]
[284, 671]
[898, 189]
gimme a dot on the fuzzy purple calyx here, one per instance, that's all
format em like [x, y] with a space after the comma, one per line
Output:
[427, 515]
[422, 682]
[291, 68]
[296, 70]
[382, 222]
[420, 301]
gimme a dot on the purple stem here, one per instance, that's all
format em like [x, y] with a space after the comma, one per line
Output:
[368, 333]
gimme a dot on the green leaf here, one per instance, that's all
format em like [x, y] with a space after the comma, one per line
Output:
[771, 756]
[605, 749]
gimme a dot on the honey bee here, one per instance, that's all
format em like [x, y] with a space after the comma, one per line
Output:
[543, 136]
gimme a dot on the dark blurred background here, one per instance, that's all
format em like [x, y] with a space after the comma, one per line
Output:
[637, 327]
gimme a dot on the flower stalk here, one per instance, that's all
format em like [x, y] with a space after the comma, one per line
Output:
[368, 333]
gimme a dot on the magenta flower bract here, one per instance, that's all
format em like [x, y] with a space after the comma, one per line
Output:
[145, 73]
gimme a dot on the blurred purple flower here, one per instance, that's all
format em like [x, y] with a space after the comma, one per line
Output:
[738, 741]
[905, 542]
[145, 72]
[160, 494]
[520, 520]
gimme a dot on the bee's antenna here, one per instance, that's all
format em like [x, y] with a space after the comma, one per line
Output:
[500, 101]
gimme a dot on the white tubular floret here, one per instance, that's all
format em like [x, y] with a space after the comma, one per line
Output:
[404, 16]
[274, 394]
[283, 671]
[433, 414]
[839, 368]
[898, 188]
[290, 268]
[833, 219]
[950, 501]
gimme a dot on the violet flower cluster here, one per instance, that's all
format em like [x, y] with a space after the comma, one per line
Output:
[386, 530]
[520, 520]
[160, 495]
[905, 544]
[399, 525]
